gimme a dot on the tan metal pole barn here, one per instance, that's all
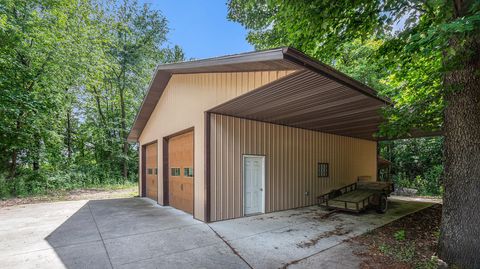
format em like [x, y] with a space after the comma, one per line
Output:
[292, 110]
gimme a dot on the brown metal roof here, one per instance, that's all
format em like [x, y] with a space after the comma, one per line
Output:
[316, 97]
[265, 60]
[308, 100]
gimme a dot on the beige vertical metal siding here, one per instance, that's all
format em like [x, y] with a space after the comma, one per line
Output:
[182, 106]
[291, 154]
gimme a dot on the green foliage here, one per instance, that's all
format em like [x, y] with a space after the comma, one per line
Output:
[400, 48]
[32, 183]
[402, 253]
[72, 75]
[437, 233]
[399, 235]
[430, 264]
[416, 163]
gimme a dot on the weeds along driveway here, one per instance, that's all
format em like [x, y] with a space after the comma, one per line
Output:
[135, 233]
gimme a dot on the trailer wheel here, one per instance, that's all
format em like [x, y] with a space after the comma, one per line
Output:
[337, 193]
[382, 204]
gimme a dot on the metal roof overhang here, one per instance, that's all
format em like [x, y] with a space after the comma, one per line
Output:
[309, 100]
[315, 97]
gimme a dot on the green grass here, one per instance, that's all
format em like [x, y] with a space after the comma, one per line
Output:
[96, 193]
[402, 253]
[32, 184]
[430, 264]
[399, 235]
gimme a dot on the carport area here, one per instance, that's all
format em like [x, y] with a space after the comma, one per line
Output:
[136, 233]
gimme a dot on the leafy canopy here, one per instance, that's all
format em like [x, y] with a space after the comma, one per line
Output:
[72, 74]
[397, 47]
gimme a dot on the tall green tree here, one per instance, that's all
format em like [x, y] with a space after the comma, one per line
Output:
[38, 49]
[430, 54]
[73, 73]
[133, 38]
[136, 37]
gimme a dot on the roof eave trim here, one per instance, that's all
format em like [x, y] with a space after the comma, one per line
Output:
[259, 56]
[172, 68]
[164, 78]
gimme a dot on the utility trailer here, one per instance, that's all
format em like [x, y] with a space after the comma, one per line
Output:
[359, 196]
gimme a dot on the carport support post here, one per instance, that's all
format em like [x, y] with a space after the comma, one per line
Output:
[165, 171]
[207, 165]
[143, 166]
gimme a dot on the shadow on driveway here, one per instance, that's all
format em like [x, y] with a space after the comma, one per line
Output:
[135, 233]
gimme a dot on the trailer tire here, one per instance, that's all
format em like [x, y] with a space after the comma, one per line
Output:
[337, 193]
[382, 204]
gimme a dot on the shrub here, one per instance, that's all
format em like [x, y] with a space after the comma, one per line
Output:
[399, 235]
[403, 253]
[4, 186]
[416, 163]
[428, 183]
[41, 182]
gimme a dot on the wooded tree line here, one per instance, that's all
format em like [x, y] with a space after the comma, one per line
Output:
[424, 55]
[73, 74]
[415, 164]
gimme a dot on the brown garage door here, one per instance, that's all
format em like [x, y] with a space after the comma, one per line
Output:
[151, 171]
[180, 164]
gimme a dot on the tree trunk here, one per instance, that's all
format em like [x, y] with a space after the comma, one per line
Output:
[13, 165]
[69, 135]
[460, 229]
[36, 153]
[99, 107]
[124, 135]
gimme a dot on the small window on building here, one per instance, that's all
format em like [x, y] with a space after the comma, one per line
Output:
[175, 172]
[149, 171]
[322, 170]
[188, 171]
[156, 171]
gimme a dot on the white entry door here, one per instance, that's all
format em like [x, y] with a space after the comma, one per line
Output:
[254, 184]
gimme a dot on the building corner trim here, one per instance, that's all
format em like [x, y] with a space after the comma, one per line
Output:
[207, 166]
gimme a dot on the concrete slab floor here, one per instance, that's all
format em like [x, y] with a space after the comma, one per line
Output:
[136, 233]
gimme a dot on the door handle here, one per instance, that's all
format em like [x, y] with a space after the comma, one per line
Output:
[261, 189]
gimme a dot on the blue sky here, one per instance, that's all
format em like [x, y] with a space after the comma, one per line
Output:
[201, 27]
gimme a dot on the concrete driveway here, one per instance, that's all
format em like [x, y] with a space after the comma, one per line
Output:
[135, 233]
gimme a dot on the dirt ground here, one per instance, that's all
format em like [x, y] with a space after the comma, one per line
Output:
[409, 242]
[73, 195]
